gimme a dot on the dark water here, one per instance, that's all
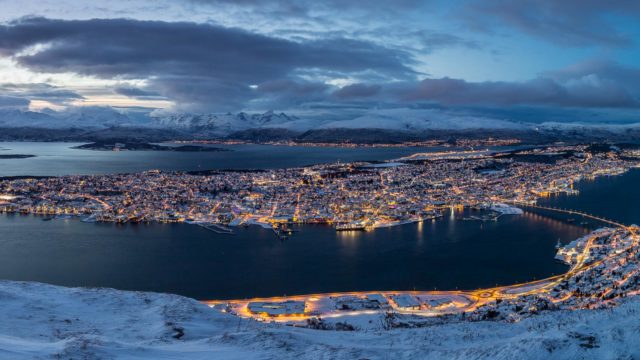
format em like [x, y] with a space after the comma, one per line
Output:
[189, 260]
[54, 159]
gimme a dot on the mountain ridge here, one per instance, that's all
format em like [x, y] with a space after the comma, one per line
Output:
[375, 126]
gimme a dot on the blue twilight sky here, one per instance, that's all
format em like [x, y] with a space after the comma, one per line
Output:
[533, 60]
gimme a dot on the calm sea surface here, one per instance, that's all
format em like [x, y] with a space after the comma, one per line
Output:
[192, 261]
[54, 159]
[613, 197]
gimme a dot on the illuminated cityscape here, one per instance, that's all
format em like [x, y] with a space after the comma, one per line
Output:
[353, 196]
[365, 196]
[319, 179]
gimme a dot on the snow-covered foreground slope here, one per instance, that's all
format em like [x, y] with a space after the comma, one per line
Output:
[44, 321]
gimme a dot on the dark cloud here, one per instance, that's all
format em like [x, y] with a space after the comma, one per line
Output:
[357, 91]
[597, 71]
[568, 22]
[202, 63]
[136, 92]
[214, 68]
[540, 91]
[307, 8]
[433, 40]
[40, 91]
[288, 92]
[302, 88]
[589, 85]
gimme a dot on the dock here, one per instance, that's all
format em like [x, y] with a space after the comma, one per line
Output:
[217, 228]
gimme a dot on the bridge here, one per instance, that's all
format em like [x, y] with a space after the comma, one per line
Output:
[573, 212]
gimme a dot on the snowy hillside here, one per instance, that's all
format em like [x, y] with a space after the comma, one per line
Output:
[44, 321]
[391, 119]
[225, 124]
[221, 124]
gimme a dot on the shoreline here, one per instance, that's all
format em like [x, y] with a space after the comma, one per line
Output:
[508, 210]
[443, 303]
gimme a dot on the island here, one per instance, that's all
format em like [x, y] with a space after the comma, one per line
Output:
[144, 146]
[15, 156]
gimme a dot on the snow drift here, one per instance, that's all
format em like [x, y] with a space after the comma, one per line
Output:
[43, 321]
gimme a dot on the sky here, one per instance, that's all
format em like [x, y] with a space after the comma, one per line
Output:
[533, 60]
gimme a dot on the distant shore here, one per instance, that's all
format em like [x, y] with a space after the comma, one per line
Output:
[15, 156]
[143, 146]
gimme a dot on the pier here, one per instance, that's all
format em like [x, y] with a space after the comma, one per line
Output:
[217, 228]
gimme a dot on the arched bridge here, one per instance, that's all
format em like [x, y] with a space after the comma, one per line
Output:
[573, 212]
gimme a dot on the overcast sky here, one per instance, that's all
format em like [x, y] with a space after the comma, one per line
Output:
[524, 59]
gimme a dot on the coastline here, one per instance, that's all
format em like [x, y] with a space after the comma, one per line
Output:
[428, 304]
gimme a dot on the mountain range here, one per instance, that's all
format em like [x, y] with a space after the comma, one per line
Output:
[386, 125]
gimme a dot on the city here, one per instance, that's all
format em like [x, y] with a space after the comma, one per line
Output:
[319, 179]
[351, 196]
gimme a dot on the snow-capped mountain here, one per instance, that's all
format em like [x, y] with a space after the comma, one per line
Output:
[225, 124]
[85, 117]
[222, 124]
[390, 119]
[251, 126]
[17, 118]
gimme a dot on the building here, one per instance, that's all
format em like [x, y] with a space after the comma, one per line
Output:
[275, 309]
